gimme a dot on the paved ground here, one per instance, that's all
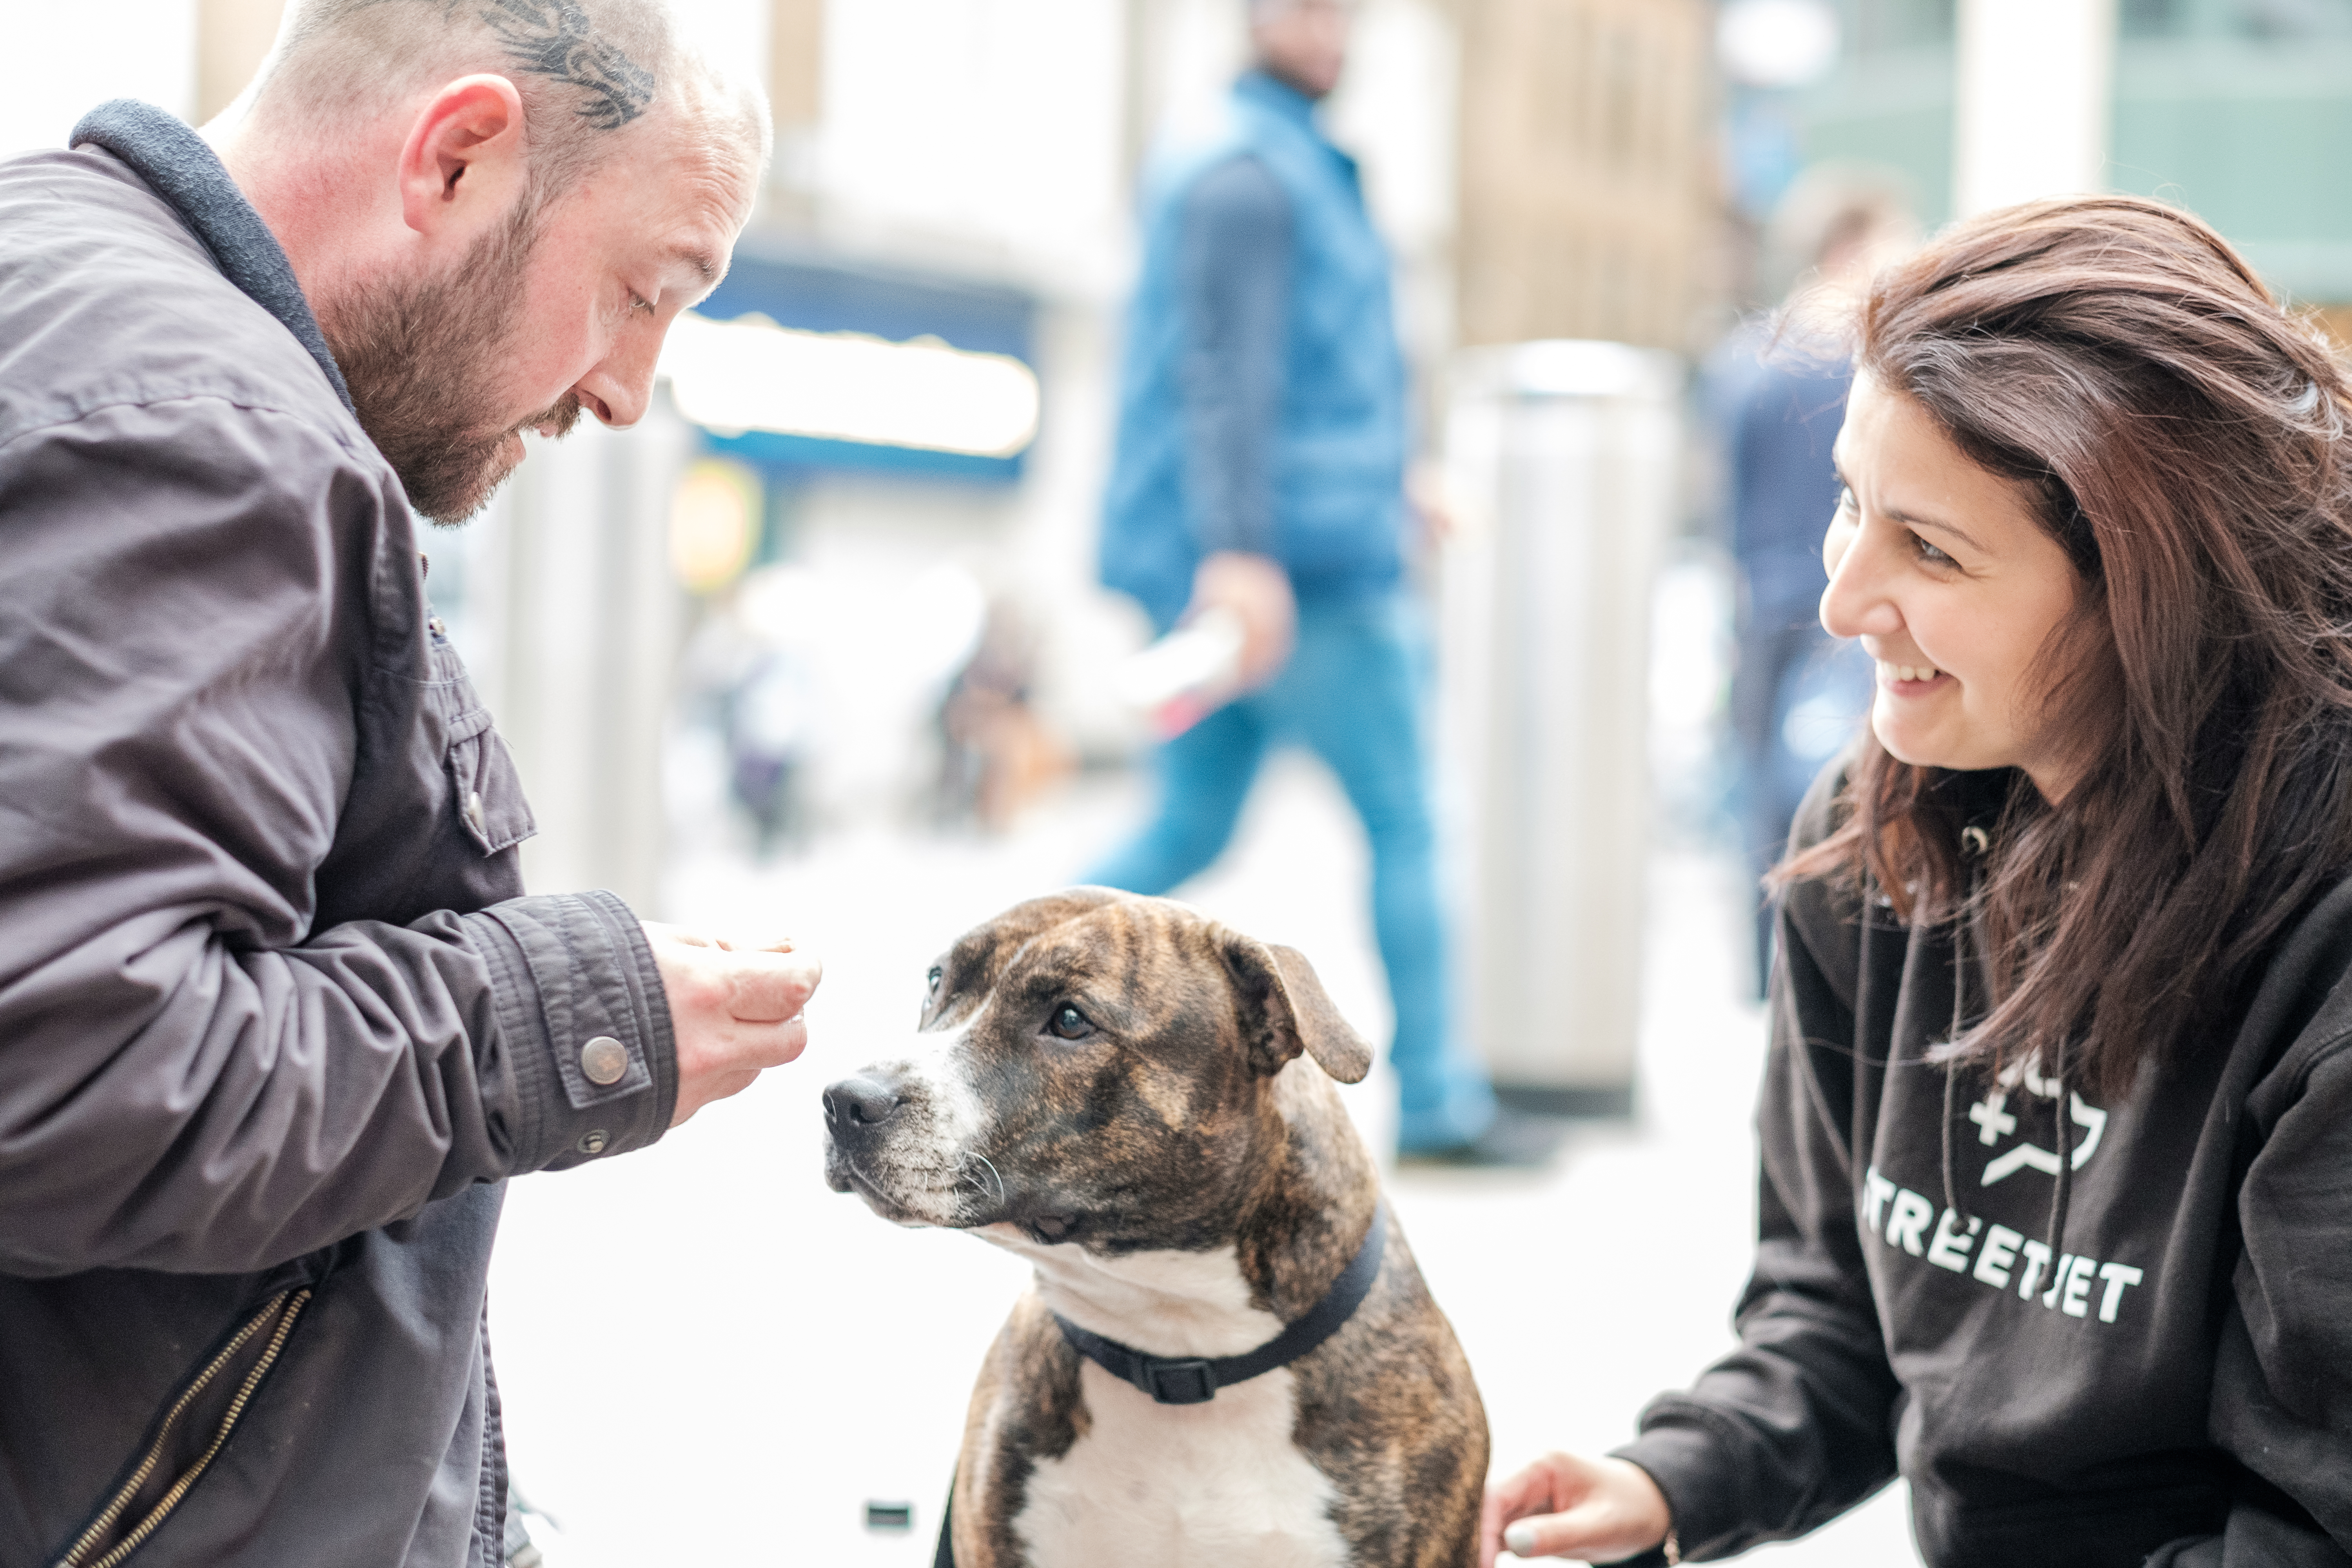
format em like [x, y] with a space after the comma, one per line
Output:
[708, 1359]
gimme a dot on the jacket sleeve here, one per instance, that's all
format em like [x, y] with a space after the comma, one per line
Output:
[1234, 272]
[2282, 1376]
[1796, 1426]
[191, 1079]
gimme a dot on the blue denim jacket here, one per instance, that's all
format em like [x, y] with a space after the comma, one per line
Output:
[1339, 451]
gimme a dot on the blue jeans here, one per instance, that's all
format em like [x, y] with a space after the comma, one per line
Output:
[1352, 694]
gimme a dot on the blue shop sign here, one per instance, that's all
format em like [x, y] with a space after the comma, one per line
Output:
[800, 361]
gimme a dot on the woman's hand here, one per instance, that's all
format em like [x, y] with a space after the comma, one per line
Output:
[1562, 1506]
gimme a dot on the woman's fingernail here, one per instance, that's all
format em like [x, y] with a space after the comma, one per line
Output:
[1521, 1538]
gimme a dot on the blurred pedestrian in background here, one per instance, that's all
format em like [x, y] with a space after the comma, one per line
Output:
[275, 1024]
[2056, 1120]
[1260, 473]
[996, 755]
[1778, 388]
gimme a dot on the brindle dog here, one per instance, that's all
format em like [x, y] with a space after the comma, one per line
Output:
[1110, 1087]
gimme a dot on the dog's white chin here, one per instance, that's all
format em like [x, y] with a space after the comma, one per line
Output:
[1165, 1303]
[923, 1209]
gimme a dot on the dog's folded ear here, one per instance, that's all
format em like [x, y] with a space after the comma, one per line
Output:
[1285, 1010]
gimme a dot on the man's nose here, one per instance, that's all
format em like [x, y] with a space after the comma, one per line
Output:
[614, 401]
[855, 1106]
[619, 391]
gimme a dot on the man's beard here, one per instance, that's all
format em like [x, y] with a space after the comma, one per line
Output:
[421, 361]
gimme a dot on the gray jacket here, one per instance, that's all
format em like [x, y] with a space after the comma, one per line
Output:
[274, 1023]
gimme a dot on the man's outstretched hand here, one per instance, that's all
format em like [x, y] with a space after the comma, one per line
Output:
[734, 1009]
[1563, 1506]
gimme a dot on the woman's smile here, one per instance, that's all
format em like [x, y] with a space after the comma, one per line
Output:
[1910, 679]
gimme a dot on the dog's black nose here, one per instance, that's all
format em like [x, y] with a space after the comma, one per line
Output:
[857, 1102]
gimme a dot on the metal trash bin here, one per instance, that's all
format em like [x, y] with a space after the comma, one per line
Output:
[1564, 457]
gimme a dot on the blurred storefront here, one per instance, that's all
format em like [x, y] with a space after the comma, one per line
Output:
[1589, 193]
[2235, 108]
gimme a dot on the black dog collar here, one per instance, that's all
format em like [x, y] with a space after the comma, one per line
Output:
[1192, 1379]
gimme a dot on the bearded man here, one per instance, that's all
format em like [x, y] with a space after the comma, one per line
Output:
[275, 1023]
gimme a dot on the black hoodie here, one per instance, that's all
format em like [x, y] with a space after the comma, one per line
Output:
[2152, 1365]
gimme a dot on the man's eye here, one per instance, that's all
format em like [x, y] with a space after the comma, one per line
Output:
[1068, 1023]
[639, 302]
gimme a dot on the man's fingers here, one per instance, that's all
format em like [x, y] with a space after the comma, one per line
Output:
[759, 943]
[742, 1045]
[745, 1051]
[707, 1090]
[792, 1039]
[767, 987]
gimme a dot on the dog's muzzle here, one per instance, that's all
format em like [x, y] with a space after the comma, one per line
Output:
[856, 1106]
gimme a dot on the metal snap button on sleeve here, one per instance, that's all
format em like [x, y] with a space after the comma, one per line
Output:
[603, 1059]
[593, 1142]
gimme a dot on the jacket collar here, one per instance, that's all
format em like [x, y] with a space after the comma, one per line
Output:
[183, 169]
[1270, 91]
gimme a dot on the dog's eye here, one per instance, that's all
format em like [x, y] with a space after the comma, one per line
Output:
[1070, 1024]
[931, 980]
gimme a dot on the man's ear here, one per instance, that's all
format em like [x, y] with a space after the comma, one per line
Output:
[463, 161]
[1283, 1010]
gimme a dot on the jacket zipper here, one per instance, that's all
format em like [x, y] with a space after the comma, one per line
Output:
[276, 1318]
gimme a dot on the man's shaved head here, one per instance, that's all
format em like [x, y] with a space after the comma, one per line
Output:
[588, 71]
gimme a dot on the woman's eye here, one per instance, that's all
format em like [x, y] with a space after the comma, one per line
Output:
[1930, 555]
[1068, 1023]
[1845, 501]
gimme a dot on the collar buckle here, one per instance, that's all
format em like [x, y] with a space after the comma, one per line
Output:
[1189, 1382]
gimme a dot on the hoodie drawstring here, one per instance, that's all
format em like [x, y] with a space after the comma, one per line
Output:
[1952, 1067]
[2064, 1103]
[1973, 843]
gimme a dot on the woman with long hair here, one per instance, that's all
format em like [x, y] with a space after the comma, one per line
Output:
[2055, 1209]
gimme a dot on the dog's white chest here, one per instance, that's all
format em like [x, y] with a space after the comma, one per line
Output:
[1219, 1485]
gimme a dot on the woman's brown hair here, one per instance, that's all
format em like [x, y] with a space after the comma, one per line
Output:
[2185, 439]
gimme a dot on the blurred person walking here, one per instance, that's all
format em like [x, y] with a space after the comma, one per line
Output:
[1260, 473]
[275, 1022]
[1777, 391]
[2054, 1212]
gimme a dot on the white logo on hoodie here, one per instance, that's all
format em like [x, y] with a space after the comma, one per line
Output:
[1993, 1254]
[1994, 1123]
[2005, 1260]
